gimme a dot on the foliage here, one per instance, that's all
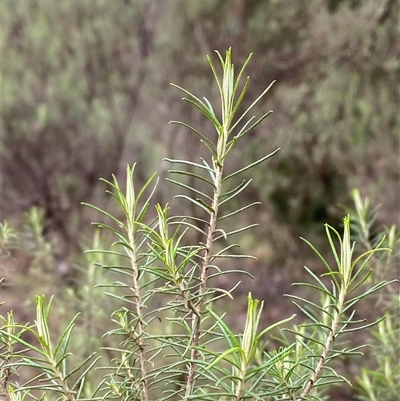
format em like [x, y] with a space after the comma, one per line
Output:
[168, 331]
[84, 112]
[8, 240]
[76, 109]
[381, 381]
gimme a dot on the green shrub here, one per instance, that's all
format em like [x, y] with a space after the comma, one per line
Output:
[170, 340]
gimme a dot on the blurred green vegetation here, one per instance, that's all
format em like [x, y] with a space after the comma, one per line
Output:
[85, 90]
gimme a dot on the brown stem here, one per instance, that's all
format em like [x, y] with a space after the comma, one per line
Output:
[196, 317]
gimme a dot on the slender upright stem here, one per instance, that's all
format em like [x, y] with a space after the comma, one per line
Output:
[196, 318]
[241, 381]
[328, 344]
[5, 373]
[139, 314]
[226, 87]
[69, 394]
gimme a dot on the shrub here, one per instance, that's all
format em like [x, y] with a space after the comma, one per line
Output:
[170, 339]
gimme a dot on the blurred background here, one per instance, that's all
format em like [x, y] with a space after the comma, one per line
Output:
[85, 90]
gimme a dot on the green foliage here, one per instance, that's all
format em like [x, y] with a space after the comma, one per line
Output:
[8, 240]
[381, 380]
[169, 339]
[84, 112]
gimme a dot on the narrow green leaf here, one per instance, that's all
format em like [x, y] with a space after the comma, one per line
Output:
[253, 104]
[188, 187]
[326, 264]
[215, 74]
[243, 131]
[222, 251]
[119, 222]
[65, 337]
[328, 230]
[305, 311]
[241, 96]
[250, 165]
[311, 339]
[269, 328]
[190, 174]
[226, 216]
[189, 93]
[188, 163]
[202, 137]
[241, 188]
[204, 110]
[198, 202]
[239, 230]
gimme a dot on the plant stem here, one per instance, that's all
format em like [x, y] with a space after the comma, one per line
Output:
[327, 347]
[5, 370]
[138, 304]
[5, 374]
[67, 392]
[242, 377]
[196, 318]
